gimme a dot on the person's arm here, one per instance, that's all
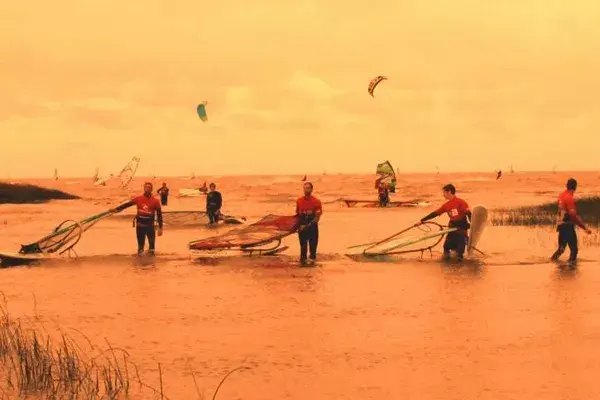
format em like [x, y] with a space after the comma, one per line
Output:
[318, 212]
[571, 210]
[159, 217]
[123, 206]
[434, 214]
[219, 201]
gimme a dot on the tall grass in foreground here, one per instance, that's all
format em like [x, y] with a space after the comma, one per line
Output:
[545, 215]
[33, 365]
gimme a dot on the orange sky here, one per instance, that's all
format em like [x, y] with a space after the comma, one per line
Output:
[473, 85]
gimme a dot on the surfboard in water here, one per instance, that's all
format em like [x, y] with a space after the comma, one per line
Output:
[479, 217]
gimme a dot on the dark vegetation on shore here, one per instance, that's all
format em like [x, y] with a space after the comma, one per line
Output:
[33, 365]
[588, 209]
[30, 194]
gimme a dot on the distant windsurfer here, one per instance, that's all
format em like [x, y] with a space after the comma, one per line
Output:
[382, 189]
[498, 174]
[147, 207]
[163, 192]
[567, 219]
[214, 202]
[460, 214]
[309, 210]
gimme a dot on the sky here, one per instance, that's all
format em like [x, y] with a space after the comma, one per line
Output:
[472, 86]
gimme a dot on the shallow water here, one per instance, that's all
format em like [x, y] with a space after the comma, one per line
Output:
[409, 329]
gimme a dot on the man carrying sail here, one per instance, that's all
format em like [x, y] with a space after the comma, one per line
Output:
[382, 189]
[567, 219]
[308, 210]
[214, 202]
[460, 214]
[147, 207]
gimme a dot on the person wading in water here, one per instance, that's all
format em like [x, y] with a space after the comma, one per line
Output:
[308, 210]
[567, 219]
[459, 213]
[147, 207]
[214, 202]
[163, 192]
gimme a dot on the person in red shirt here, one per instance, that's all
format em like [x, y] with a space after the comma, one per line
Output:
[460, 215]
[308, 211]
[147, 207]
[383, 190]
[567, 219]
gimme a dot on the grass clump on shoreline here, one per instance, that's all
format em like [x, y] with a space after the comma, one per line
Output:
[30, 194]
[32, 365]
[588, 209]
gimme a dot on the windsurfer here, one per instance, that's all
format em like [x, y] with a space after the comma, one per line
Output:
[308, 210]
[214, 202]
[459, 213]
[147, 207]
[567, 219]
[163, 191]
[498, 174]
[382, 189]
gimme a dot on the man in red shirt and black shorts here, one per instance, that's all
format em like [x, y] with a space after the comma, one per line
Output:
[308, 211]
[460, 215]
[567, 219]
[147, 207]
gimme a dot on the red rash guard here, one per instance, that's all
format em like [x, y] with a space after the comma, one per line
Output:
[308, 208]
[567, 212]
[457, 209]
[146, 207]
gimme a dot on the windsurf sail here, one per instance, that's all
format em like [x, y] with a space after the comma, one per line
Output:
[55, 174]
[190, 218]
[264, 235]
[64, 237]
[417, 238]
[96, 177]
[128, 172]
[386, 172]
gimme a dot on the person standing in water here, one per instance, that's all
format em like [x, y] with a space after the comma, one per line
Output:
[460, 214]
[214, 202]
[383, 191]
[163, 192]
[567, 219]
[147, 207]
[308, 210]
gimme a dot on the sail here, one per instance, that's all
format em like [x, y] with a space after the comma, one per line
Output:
[128, 172]
[96, 177]
[270, 229]
[386, 170]
[413, 239]
[64, 237]
[55, 174]
[190, 218]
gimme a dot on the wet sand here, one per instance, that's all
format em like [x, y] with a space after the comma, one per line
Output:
[516, 327]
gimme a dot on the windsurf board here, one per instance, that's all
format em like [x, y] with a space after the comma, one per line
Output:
[479, 217]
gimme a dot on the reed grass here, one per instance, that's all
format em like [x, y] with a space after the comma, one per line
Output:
[545, 215]
[33, 365]
[588, 209]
